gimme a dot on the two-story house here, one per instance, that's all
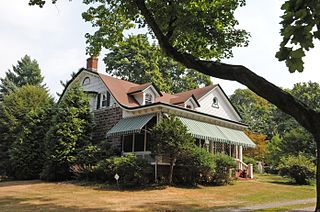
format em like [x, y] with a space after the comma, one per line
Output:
[123, 111]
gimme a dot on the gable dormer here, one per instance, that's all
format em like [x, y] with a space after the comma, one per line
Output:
[187, 101]
[145, 94]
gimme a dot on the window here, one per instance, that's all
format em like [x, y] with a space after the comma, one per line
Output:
[148, 99]
[105, 102]
[189, 107]
[139, 142]
[86, 81]
[215, 102]
[127, 143]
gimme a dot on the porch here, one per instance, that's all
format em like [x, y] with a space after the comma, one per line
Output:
[135, 138]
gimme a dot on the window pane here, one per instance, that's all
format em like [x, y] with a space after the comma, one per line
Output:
[139, 142]
[127, 143]
[148, 142]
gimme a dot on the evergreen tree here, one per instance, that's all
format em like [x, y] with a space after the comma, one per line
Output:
[22, 129]
[26, 72]
[170, 138]
[70, 133]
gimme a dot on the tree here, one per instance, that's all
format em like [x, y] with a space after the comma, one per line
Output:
[199, 33]
[70, 132]
[259, 152]
[26, 72]
[293, 142]
[136, 60]
[23, 121]
[255, 111]
[170, 138]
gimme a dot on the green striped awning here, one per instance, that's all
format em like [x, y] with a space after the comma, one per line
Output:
[130, 125]
[203, 130]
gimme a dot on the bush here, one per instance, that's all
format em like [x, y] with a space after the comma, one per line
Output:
[195, 166]
[222, 170]
[133, 171]
[252, 161]
[299, 168]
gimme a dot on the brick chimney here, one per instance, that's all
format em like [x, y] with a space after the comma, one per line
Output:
[92, 64]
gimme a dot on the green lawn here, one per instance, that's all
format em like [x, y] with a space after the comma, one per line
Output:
[42, 196]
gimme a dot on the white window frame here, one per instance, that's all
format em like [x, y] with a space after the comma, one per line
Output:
[148, 101]
[86, 81]
[215, 102]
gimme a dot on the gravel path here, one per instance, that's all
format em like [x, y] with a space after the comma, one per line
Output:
[273, 205]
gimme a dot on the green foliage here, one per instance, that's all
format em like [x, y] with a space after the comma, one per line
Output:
[300, 27]
[293, 142]
[274, 151]
[23, 124]
[26, 72]
[206, 29]
[223, 165]
[133, 171]
[254, 110]
[299, 168]
[248, 160]
[69, 134]
[135, 60]
[170, 137]
[195, 165]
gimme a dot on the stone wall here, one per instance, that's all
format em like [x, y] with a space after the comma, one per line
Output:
[105, 119]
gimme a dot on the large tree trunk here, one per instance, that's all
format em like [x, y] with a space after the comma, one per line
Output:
[317, 140]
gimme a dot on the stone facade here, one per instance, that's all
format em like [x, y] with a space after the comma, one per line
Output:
[105, 119]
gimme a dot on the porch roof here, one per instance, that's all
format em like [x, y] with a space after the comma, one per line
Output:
[130, 125]
[203, 130]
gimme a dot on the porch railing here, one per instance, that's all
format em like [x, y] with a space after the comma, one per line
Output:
[245, 167]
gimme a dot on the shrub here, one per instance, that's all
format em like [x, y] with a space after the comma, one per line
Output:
[299, 168]
[222, 170]
[196, 165]
[252, 161]
[133, 171]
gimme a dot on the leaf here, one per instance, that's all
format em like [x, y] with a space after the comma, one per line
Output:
[299, 53]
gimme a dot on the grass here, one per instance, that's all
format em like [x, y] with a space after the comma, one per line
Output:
[43, 196]
[288, 208]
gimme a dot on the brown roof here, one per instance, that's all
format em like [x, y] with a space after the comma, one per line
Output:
[198, 93]
[139, 88]
[121, 90]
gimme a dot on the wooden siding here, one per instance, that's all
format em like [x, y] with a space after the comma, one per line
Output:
[224, 109]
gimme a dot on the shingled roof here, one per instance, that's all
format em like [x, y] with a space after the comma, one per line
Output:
[122, 91]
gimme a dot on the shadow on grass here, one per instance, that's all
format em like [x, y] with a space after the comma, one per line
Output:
[12, 204]
[8, 183]
[113, 187]
[9, 204]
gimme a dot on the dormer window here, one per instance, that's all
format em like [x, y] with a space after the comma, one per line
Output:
[148, 99]
[215, 102]
[86, 81]
[105, 101]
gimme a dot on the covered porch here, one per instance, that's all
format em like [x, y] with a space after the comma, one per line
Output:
[135, 138]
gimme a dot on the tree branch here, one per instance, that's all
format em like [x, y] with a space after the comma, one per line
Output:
[307, 117]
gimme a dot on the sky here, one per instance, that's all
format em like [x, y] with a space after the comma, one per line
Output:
[54, 36]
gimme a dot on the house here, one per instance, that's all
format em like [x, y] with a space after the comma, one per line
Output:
[123, 111]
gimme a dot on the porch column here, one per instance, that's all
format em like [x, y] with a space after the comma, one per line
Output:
[133, 137]
[240, 153]
[237, 152]
[240, 157]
